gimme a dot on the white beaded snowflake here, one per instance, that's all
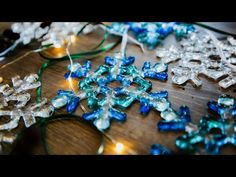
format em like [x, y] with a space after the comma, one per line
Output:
[21, 109]
[202, 53]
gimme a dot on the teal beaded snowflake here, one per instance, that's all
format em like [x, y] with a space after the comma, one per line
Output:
[213, 131]
[213, 141]
[152, 33]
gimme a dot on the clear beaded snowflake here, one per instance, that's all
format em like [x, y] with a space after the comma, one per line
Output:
[56, 34]
[29, 31]
[202, 53]
[21, 109]
[18, 91]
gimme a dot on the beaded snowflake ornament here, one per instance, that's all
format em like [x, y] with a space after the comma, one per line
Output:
[21, 109]
[202, 53]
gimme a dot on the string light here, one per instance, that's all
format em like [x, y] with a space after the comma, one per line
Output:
[73, 38]
[119, 148]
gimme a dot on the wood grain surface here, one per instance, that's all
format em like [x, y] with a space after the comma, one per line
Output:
[138, 132]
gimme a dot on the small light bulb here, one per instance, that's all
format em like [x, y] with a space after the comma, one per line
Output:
[119, 147]
[71, 83]
[73, 38]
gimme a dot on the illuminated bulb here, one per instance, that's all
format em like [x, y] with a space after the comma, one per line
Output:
[119, 147]
[73, 38]
[71, 83]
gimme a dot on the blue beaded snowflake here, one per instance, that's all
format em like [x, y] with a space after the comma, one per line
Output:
[152, 33]
[117, 68]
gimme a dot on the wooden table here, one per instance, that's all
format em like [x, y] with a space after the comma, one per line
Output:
[138, 132]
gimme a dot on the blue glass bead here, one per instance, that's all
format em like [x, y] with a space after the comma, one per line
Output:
[128, 61]
[72, 104]
[159, 94]
[233, 111]
[165, 31]
[87, 65]
[221, 140]
[171, 126]
[110, 61]
[122, 79]
[157, 149]
[184, 111]
[212, 105]
[184, 114]
[117, 115]
[92, 115]
[154, 75]
[136, 27]
[77, 71]
[146, 65]
[144, 106]
[105, 80]
[104, 90]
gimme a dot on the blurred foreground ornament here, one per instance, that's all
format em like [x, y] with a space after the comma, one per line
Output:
[212, 131]
[54, 35]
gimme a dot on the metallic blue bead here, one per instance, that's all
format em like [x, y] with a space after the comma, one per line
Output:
[157, 149]
[171, 126]
[105, 80]
[212, 105]
[184, 111]
[87, 65]
[159, 94]
[119, 116]
[165, 31]
[110, 61]
[79, 72]
[144, 106]
[184, 114]
[72, 104]
[163, 76]
[92, 115]
[104, 89]
[146, 65]
[136, 27]
[128, 61]
[122, 79]
[233, 111]
[118, 91]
